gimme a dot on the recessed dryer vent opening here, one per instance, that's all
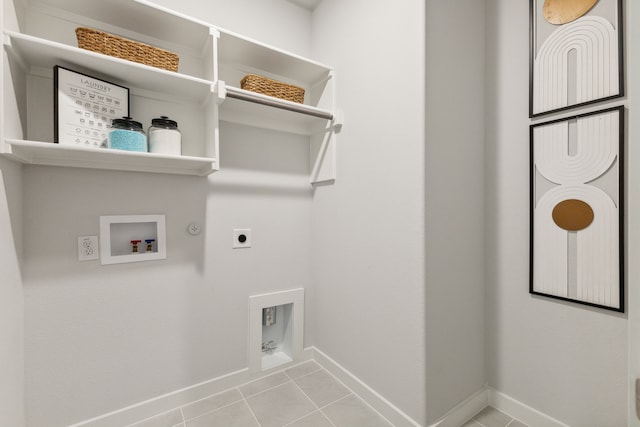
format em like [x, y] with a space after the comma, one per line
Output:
[275, 329]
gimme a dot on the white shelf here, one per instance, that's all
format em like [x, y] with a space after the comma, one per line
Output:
[50, 154]
[137, 16]
[255, 109]
[37, 52]
[249, 54]
[196, 96]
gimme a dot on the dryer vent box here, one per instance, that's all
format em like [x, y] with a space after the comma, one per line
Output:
[275, 329]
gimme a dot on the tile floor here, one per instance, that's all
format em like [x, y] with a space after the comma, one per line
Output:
[491, 417]
[302, 396]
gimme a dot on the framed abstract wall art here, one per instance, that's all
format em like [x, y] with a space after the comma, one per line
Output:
[576, 55]
[577, 209]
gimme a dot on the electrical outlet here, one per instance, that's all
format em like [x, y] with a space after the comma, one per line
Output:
[241, 238]
[88, 248]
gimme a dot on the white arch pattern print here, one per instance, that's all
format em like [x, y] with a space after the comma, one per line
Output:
[598, 270]
[596, 45]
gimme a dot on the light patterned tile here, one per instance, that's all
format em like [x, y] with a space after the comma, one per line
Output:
[303, 369]
[472, 423]
[263, 384]
[322, 387]
[491, 417]
[210, 403]
[351, 412]
[316, 419]
[234, 415]
[166, 419]
[517, 423]
[280, 405]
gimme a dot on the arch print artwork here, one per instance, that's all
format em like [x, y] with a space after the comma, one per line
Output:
[576, 208]
[575, 54]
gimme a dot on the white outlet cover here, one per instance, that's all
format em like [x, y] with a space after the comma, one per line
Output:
[241, 238]
[88, 248]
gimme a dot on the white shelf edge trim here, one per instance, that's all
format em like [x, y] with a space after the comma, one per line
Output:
[24, 43]
[245, 95]
[48, 153]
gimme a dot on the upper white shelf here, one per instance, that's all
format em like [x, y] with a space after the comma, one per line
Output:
[248, 54]
[209, 56]
[37, 52]
[47, 153]
[138, 16]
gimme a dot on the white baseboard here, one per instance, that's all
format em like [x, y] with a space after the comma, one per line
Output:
[454, 418]
[385, 408]
[167, 402]
[465, 410]
[520, 411]
[175, 399]
[500, 401]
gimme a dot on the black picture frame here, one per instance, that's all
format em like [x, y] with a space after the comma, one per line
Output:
[536, 28]
[535, 288]
[84, 107]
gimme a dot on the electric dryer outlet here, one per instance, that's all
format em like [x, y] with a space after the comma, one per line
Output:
[241, 238]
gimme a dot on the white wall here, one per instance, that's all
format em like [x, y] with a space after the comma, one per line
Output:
[455, 238]
[275, 22]
[99, 338]
[368, 229]
[12, 407]
[12, 410]
[399, 240]
[564, 359]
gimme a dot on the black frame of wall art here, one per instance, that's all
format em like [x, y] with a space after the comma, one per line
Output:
[534, 26]
[79, 101]
[620, 306]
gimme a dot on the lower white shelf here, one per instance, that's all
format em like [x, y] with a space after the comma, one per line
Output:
[50, 154]
[258, 110]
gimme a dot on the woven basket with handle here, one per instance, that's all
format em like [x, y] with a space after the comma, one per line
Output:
[119, 47]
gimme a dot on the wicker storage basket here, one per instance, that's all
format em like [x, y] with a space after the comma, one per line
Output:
[119, 47]
[266, 86]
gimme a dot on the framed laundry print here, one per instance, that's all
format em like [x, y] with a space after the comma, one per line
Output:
[576, 54]
[576, 251]
[84, 107]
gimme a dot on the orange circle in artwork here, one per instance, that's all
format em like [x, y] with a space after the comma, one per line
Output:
[572, 215]
[560, 12]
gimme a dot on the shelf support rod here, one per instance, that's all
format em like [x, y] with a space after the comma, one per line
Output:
[276, 104]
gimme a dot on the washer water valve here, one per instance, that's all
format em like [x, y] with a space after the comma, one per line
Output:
[134, 245]
[149, 243]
